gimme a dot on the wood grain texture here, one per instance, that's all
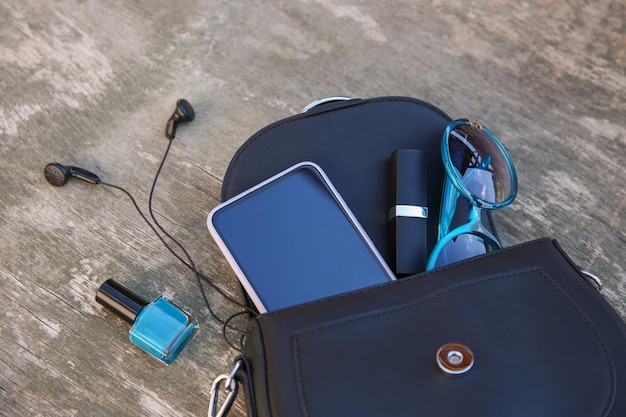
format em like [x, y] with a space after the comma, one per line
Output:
[92, 83]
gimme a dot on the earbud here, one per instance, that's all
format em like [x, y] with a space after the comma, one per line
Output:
[57, 174]
[183, 113]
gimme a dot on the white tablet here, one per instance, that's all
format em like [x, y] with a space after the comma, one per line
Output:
[292, 239]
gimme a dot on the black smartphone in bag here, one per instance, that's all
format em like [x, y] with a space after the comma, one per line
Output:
[292, 239]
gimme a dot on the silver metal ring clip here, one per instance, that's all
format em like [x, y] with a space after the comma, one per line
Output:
[229, 388]
[593, 279]
[323, 101]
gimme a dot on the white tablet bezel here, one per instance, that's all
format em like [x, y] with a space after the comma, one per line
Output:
[233, 263]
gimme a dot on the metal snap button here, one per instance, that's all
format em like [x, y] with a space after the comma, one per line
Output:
[455, 359]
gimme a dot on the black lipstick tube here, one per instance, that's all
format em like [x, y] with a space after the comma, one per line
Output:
[408, 213]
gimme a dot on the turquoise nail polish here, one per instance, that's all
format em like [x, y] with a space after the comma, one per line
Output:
[159, 327]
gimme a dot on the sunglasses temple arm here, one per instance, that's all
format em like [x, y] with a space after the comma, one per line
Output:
[436, 252]
[476, 227]
[448, 208]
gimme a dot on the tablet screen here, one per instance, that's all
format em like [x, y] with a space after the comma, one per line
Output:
[293, 241]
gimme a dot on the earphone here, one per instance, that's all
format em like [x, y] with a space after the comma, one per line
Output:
[182, 114]
[58, 175]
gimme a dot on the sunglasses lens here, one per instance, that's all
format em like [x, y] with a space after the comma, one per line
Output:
[481, 164]
[462, 247]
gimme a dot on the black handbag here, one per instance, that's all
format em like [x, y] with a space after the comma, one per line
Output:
[518, 332]
[525, 333]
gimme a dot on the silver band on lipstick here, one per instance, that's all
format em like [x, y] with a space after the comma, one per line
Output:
[408, 211]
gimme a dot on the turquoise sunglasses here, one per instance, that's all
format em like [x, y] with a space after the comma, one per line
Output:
[479, 169]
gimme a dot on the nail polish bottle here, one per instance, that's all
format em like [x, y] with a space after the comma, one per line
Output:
[159, 327]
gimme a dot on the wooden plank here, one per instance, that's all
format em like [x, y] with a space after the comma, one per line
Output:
[92, 84]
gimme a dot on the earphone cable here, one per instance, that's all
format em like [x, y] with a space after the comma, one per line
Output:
[225, 323]
[191, 265]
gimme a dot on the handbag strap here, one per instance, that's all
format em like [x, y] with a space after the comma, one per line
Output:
[228, 384]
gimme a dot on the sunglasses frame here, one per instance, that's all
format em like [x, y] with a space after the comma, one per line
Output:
[454, 186]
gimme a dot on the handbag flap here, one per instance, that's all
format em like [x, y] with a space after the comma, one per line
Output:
[530, 341]
[545, 343]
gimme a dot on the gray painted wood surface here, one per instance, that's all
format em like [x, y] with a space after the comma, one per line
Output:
[91, 83]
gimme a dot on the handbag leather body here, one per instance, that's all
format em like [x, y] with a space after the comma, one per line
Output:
[544, 341]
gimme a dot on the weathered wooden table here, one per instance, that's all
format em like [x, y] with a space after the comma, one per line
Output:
[92, 83]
